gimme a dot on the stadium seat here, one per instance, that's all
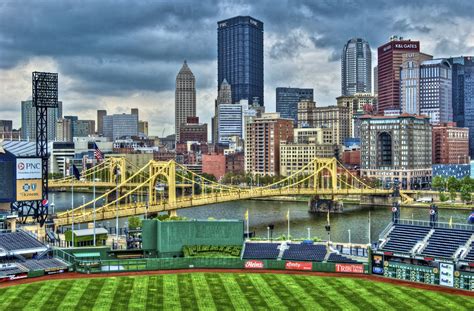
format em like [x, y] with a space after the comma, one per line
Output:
[304, 252]
[261, 251]
[44, 264]
[404, 237]
[14, 241]
[445, 242]
[333, 257]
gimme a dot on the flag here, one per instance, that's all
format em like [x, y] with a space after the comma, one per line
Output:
[97, 153]
[247, 215]
[75, 172]
[451, 222]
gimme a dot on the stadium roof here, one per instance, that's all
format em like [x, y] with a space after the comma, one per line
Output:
[19, 148]
[86, 232]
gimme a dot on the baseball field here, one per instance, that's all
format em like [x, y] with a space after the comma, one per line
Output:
[224, 291]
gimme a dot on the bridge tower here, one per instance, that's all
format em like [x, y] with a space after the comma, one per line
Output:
[166, 170]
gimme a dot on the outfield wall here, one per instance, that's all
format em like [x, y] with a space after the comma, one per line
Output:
[148, 264]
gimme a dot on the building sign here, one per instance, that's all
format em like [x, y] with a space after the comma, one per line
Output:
[28, 168]
[349, 268]
[29, 189]
[406, 46]
[446, 274]
[293, 265]
[254, 264]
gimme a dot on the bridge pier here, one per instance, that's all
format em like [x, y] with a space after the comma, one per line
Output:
[172, 213]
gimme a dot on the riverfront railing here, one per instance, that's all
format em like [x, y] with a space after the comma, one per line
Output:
[444, 225]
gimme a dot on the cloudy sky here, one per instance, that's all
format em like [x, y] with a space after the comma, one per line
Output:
[116, 55]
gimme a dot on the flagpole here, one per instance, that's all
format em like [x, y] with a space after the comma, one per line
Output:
[288, 224]
[248, 231]
[72, 210]
[370, 230]
[93, 191]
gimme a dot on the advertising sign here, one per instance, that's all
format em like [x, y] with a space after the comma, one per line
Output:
[254, 264]
[446, 274]
[54, 271]
[29, 190]
[294, 265]
[13, 277]
[28, 168]
[349, 268]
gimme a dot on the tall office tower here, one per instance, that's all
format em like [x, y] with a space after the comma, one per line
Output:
[356, 67]
[396, 148]
[64, 130]
[143, 127]
[287, 99]
[28, 120]
[185, 98]
[436, 91]
[83, 128]
[389, 62]
[463, 94]
[240, 57]
[262, 143]
[117, 126]
[410, 81]
[376, 80]
[224, 97]
[134, 111]
[6, 126]
[100, 121]
[230, 121]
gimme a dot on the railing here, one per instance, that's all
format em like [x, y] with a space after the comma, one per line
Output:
[64, 256]
[385, 231]
[443, 225]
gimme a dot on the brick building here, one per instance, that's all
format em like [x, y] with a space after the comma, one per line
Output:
[450, 144]
[220, 164]
[192, 130]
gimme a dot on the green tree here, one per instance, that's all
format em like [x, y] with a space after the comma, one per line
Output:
[453, 184]
[443, 197]
[452, 195]
[134, 222]
[466, 190]
[438, 183]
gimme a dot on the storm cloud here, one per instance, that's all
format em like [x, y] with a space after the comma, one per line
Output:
[119, 54]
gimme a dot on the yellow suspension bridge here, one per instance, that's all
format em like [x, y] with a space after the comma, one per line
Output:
[169, 186]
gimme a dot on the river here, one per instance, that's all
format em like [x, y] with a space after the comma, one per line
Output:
[263, 213]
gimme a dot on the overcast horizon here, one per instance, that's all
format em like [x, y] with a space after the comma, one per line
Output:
[117, 55]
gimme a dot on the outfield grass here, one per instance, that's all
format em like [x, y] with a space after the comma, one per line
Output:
[225, 291]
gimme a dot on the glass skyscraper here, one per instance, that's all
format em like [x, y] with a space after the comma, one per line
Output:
[463, 95]
[287, 99]
[356, 67]
[240, 57]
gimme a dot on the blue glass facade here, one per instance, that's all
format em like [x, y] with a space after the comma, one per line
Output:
[463, 95]
[287, 99]
[240, 57]
[455, 170]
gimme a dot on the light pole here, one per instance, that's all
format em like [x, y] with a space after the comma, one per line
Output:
[117, 205]
[268, 233]
[53, 204]
[83, 204]
[349, 231]
[309, 233]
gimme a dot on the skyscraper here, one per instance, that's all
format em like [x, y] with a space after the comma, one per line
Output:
[463, 94]
[117, 126]
[28, 120]
[224, 97]
[388, 78]
[410, 81]
[185, 97]
[240, 57]
[287, 99]
[356, 67]
[100, 121]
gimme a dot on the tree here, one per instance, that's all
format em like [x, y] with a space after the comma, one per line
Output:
[466, 190]
[209, 177]
[134, 222]
[438, 183]
[452, 195]
[453, 184]
[443, 197]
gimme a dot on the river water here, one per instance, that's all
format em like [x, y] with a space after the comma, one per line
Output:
[263, 213]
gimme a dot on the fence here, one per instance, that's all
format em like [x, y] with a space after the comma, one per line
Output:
[100, 266]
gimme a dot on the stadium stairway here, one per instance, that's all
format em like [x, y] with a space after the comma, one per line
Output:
[420, 246]
[283, 247]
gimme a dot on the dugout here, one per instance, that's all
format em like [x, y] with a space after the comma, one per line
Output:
[166, 238]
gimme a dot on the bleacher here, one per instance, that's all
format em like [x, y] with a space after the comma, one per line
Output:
[470, 255]
[333, 257]
[445, 242]
[404, 237]
[12, 270]
[44, 264]
[308, 252]
[261, 251]
[20, 241]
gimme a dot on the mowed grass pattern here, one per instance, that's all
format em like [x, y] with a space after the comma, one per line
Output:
[224, 291]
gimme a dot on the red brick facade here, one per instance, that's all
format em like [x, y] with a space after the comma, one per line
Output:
[450, 144]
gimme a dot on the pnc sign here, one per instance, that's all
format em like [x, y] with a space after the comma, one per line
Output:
[28, 168]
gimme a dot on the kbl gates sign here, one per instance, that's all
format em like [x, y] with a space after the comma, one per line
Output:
[28, 179]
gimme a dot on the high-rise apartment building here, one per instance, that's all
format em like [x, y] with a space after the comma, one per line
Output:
[64, 130]
[240, 57]
[356, 67]
[388, 68]
[410, 81]
[336, 118]
[100, 121]
[262, 143]
[358, 104]
[287, 99]
[450, 144]
[120, 125]
[185, 97]
[295, 156]
[396, 149]
[28, 120]
[463, 94]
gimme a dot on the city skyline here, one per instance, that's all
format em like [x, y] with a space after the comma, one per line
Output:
[114, 68]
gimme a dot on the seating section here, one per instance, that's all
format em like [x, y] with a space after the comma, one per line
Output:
[19, 240]
[470, 255]
[305, 252]
[44, 264]
[261, 251]
[12, 270]
[445, 242]
[404, 237]
[333, 257]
